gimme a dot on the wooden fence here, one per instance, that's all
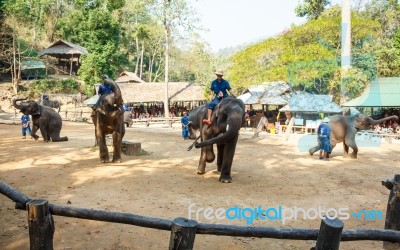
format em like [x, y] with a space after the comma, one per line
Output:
[183, 231]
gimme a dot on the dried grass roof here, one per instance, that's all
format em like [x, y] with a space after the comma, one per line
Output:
[154, 92]
[127, 76]
[63, 48]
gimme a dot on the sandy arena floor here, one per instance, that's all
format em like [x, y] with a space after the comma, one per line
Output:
[163, 183]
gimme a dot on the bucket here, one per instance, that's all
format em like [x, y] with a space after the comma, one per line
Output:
[272, 131]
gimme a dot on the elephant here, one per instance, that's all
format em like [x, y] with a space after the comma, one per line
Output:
[345, 128]
[52, 104]
[227, 119]
[196, 120]
[44, 118]
[128, 119]
[108, 118]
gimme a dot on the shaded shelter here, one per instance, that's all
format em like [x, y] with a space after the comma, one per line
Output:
[68, 55]
[310, 103]
[31, 69]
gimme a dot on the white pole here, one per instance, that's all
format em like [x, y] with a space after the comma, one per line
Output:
[345, 44]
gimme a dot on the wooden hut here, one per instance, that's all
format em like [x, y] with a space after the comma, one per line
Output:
[181, 94]
[68, 55]
[127, 76]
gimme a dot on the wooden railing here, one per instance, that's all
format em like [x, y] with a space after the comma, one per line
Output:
[183, 231]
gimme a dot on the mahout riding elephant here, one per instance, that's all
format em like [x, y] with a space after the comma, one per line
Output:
[345, 128]
[52, 104]
[227, 119]
[108, 118]
[44, 118]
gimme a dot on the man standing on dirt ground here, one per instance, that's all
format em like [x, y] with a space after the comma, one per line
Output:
[324, 139]
[219, 88]
[26, 127]
[185, 122]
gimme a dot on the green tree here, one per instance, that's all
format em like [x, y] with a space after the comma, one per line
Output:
[98, 29]
[311, 9]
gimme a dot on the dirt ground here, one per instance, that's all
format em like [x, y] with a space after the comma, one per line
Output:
[162, 182]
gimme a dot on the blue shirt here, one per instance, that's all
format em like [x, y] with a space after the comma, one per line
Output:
[185, 120]
[324, 130]
[222, 86]
[25, 119]
[105, 88]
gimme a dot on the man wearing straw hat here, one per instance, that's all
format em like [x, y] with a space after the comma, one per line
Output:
[220, 88]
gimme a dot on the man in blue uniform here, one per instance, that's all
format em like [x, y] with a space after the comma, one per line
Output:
[324, 137]
[185, 122]
[220, 88]
[26, 128]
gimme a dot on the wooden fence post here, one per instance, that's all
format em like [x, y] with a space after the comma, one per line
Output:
[41, 225]
[183, 233]
[329, 234]
[392, 220]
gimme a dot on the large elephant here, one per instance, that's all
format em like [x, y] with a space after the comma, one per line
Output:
[44, 118]
[345, 128]
[227, 119]
[109, 119]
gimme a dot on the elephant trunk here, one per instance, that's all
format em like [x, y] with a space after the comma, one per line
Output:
[18, 106]
[232, 131]
[393, 117]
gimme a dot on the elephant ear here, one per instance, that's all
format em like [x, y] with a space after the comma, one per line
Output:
[35, 109]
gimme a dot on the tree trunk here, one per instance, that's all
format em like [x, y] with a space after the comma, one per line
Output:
[14, 70]
[166, 30]
[141, 61]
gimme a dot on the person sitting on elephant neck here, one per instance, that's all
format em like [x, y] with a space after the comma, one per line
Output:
[324, 138]
[220, 88]
[104, 88]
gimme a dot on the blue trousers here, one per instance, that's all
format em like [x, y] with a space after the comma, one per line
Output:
[25, 130]
[185, 133]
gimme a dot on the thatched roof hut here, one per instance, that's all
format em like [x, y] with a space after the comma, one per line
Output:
[153, 92]
[127, 76]
[68, 55]
[63, 49]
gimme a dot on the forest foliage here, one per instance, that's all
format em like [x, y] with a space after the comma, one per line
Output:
[130, 35]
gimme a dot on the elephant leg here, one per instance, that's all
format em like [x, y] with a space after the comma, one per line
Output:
[210, 156]
[201, 169]
[55, 135]
[313, 149]
[355, 150]
[229, 152]
[117, 139]
[33, 132]
[351, 142]
[220, 156]
[101, 138]
[345, 150]
[43, 122]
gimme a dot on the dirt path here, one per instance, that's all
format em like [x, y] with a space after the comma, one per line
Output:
[163, 183]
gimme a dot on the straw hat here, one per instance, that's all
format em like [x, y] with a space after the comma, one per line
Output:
[219, 72]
